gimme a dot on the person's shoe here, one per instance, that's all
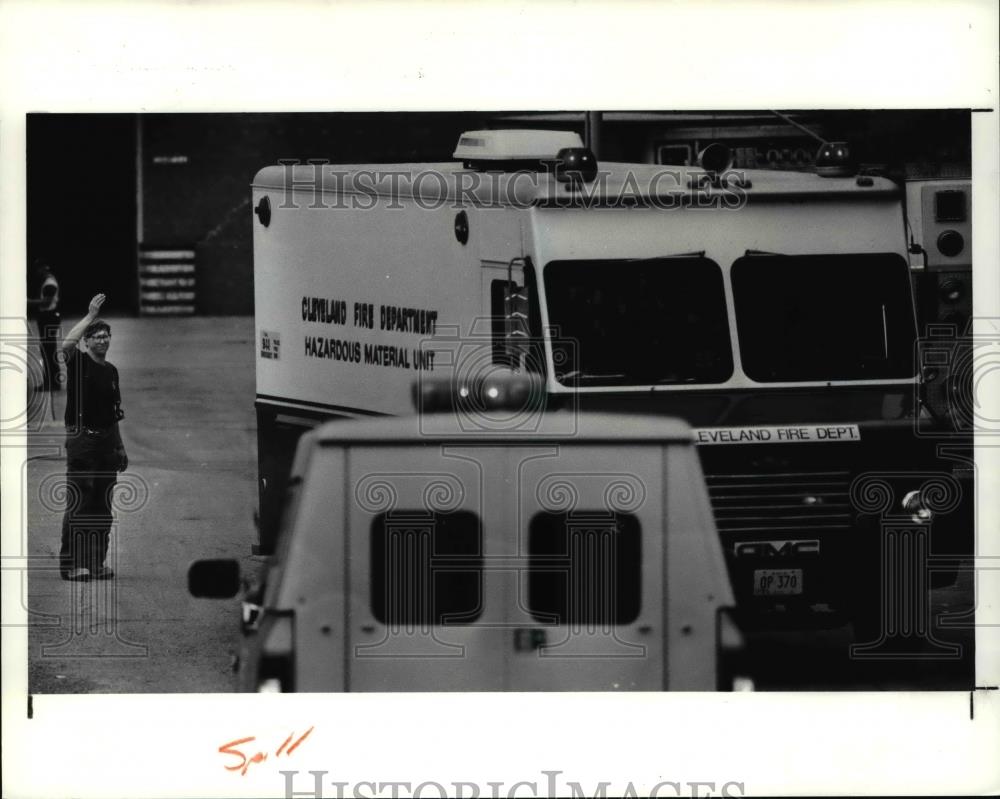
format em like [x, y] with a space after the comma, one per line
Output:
[78, 575]
[103, 573]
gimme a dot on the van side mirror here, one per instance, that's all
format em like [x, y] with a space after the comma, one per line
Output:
[214, 579]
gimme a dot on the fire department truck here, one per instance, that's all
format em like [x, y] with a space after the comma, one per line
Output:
[772, 311]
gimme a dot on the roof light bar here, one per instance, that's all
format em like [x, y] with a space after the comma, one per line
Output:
[515, 145]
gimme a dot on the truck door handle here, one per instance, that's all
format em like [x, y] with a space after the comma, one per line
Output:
[528, 639]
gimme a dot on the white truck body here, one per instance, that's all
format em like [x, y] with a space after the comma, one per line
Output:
[399, 251]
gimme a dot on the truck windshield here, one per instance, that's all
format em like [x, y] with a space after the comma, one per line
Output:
[824, 317]
[642, 322]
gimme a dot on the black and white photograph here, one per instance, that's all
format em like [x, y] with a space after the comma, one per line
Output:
[548, 412]
[625, 401]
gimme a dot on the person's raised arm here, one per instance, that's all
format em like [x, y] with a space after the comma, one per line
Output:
[73, 337]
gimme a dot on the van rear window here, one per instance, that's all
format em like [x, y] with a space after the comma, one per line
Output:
[584, 568]
[426, 568]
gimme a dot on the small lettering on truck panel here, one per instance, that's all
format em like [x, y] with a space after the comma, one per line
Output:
[390, 318]
[755, 435]
[396, 318]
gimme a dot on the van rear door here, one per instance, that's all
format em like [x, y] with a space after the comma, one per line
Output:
[589, 612]
[422, 614]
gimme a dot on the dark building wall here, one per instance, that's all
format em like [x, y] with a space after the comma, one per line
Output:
[82, 178]
[80, 206]
[197, 171]
[196, 174]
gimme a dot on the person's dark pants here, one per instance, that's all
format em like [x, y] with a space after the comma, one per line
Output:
[91, 474]
[49, 329]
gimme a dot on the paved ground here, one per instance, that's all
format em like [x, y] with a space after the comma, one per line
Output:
[190, 493]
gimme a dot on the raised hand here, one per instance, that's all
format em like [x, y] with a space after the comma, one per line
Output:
[96, 303]
[73, 337]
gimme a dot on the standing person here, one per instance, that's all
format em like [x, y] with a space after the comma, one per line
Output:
[49, 322]
[94, 449]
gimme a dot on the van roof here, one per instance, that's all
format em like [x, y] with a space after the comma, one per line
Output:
[617, 183]
[553, 427]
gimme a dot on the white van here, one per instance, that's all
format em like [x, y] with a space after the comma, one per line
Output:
[430, 553]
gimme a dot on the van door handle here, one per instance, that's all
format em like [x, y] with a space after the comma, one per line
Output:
[528, 639]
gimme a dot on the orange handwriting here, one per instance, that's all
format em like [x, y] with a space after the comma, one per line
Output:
[260, 756]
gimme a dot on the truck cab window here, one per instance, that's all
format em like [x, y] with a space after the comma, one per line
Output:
[646, 322]
[824, 317]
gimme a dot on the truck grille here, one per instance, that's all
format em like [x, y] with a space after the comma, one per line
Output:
[770, 502]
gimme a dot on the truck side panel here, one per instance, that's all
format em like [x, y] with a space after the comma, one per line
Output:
[347, 298]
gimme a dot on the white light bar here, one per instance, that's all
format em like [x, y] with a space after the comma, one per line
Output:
[514, 145]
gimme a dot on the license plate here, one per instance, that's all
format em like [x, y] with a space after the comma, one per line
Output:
[777, 582]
